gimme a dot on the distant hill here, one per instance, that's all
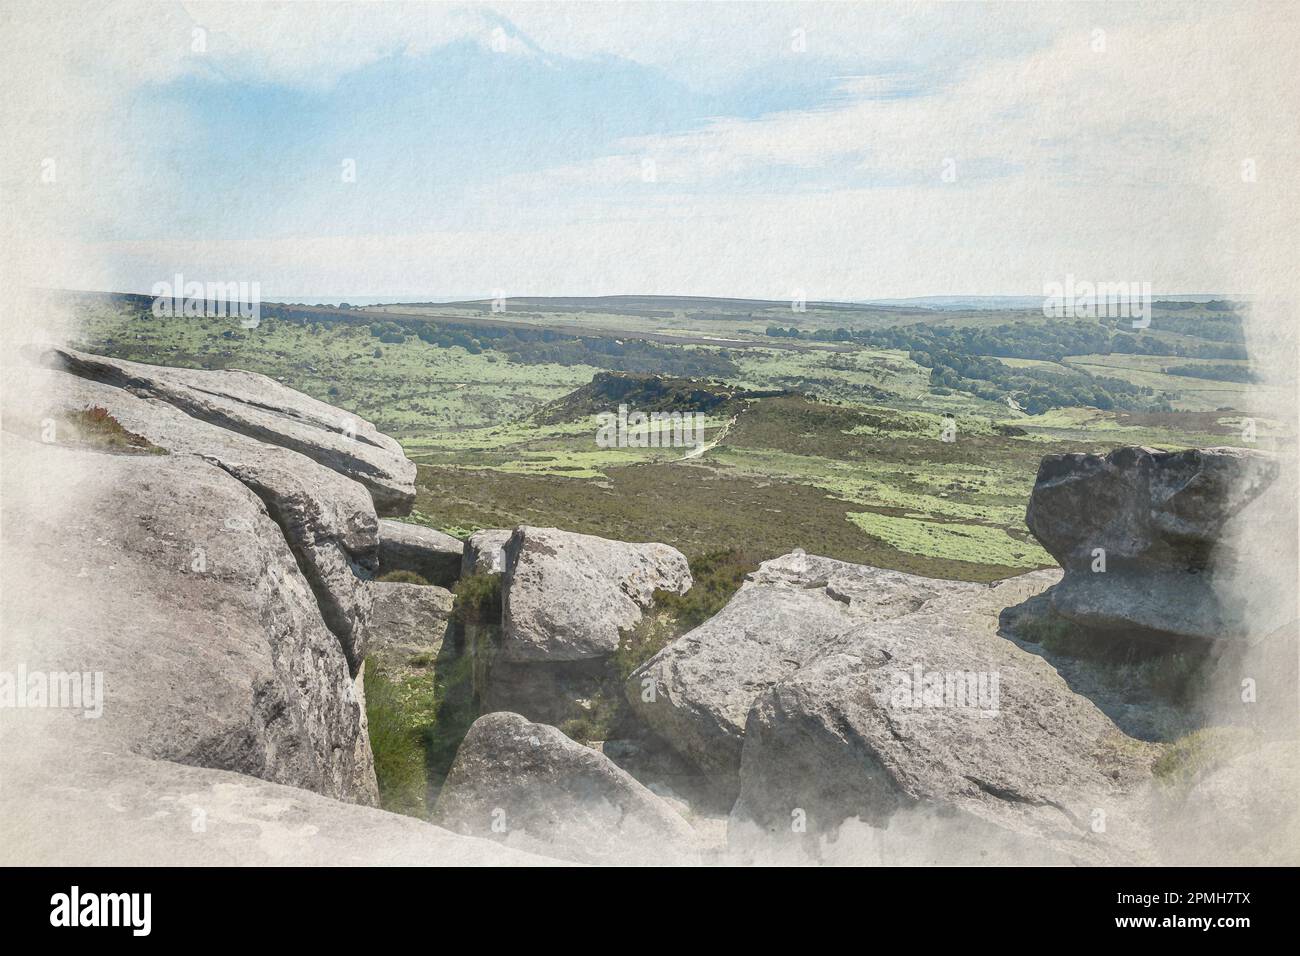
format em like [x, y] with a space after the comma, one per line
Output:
[961, 303]
[646, 393]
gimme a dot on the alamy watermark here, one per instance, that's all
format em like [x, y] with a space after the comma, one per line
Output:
[129, 910]
[625, 429]
[208, 300]
[959, 690]
[1097, 300]
[53, 689]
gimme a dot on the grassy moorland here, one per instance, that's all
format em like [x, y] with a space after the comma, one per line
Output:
[878, 434]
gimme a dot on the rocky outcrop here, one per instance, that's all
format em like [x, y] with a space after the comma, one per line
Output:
[934, 726]
[530, 787]
[222, 588]
[566, 601]
[327, 519]
[697, 692]
[430, 553]
[131, 811]
[1145, 538]
[259, 407]
[167, 577]
[409, 620]
[485, 552]
[829, 696]
[567, 596]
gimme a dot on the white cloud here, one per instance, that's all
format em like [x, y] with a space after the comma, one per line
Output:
[1162, 104]
[1126, 163]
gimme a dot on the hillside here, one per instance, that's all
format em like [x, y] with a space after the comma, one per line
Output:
[845, 436]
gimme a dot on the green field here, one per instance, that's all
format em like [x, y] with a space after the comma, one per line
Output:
[849, 461]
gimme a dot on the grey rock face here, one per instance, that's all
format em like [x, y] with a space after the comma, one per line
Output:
[328, 520]
[547, 794]
[261, 408]
[430, 553]
[1162, 520]
[224, 592]
[933, 713]
[485, 552]
[167, 576]
[409, 619]
[566, 599]
[566, 596]
[697, 692]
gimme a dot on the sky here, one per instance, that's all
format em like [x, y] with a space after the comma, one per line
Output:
[830, 151]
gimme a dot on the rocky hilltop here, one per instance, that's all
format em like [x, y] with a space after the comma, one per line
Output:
[220, 551]
[202, 547]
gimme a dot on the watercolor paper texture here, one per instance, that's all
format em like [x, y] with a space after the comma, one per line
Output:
[693, 433]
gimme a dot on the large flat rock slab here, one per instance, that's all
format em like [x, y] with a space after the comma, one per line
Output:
[933, 716]
[697, 692]
[261, 408]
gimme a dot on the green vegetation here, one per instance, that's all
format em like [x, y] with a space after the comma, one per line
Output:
[533, 346]
[455, 709]
[1217, 372]
[715, 576]
[418, 712]
[478, 599]
[94, 426]
[395, 727]
[971, 543]
[420, 706]
[828, 436]
[642, 392]
[410, 390]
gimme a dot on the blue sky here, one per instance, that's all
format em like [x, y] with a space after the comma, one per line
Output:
[423, 130]
[843, 150]
[427, 128]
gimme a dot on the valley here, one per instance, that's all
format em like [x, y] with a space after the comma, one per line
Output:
[837, 440]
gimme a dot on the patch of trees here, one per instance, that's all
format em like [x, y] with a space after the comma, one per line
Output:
[1220, 373]
[1222, 338]
[1037, 390]
[966, 358]
[1222, 325]
[388, 332]
[1047, 341]
[1127, 343]
[445, 338]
